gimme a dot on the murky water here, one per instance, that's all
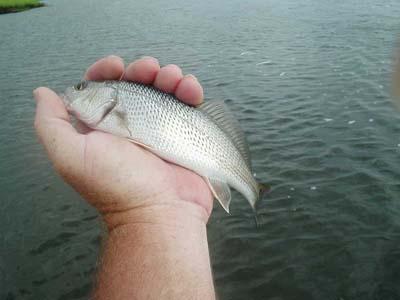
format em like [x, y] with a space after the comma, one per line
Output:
[309, 82]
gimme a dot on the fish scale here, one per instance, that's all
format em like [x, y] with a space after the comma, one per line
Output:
[196, 138]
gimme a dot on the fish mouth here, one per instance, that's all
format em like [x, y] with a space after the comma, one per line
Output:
[66, 101]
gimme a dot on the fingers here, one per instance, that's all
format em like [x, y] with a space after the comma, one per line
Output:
[107, 68]
[168, 78]
[63, 144]
[143, 70]
[189, 90]
[147, 70]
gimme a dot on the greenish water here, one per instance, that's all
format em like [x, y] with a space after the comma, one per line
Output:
[309, 82]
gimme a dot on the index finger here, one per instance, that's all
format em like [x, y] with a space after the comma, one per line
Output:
[107, 68]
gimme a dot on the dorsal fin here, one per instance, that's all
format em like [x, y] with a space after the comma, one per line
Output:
[225, 120]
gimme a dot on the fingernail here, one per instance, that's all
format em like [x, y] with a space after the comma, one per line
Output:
[191, 76]
[150, 58]
[112, 56]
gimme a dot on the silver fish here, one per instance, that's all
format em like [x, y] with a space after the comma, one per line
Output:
[205, 139]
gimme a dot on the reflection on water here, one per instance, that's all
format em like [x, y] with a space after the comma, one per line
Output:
[310, 84]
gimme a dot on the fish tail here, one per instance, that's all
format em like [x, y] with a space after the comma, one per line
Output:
[257, 222]
[263, 188]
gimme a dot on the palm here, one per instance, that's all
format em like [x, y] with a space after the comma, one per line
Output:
[139, 173]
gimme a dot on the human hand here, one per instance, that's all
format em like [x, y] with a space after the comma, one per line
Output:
[123, 181]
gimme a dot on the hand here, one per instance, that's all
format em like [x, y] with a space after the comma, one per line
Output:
[123, 180]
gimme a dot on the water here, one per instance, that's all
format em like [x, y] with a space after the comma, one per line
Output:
[309, 82]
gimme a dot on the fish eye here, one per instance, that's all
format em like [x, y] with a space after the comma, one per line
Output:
[81, 85]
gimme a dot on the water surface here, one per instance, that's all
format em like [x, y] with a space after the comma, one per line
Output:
[309, 82]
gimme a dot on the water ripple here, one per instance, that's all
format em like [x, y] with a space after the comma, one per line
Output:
[304, 81]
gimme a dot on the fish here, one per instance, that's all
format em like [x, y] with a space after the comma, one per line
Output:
[205, 139]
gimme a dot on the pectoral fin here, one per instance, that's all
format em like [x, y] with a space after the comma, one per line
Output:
[221, 191]
[140, 144]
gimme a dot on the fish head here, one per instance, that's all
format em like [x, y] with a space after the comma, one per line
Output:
[90, 101]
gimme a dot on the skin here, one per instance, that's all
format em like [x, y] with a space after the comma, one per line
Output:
[155, 212]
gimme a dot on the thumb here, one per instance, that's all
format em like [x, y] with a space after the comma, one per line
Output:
[63, 144]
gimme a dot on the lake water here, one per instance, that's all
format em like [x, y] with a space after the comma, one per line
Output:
[310, 83]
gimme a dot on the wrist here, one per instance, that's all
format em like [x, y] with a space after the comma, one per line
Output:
[156, 252]
[168, 214]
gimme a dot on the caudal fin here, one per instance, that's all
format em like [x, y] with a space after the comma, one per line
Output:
[263, 188]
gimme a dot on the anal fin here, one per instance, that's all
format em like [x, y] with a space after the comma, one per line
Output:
[221, 191]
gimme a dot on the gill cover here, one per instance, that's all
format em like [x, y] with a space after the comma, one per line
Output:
[91, 101]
